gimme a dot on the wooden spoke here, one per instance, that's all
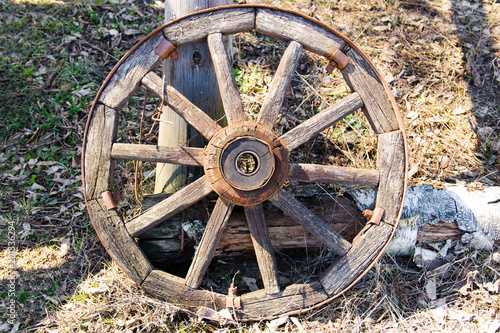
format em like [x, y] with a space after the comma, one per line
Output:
[231, 99]
[332, 174]
[149, 153]
[263, 248]
[208, 243]
[326, 118]
[177, 202]
[195, 117]
[272, 103]
[301, 214]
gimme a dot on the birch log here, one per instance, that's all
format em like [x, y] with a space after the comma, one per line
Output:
[429, 216]
[432, 215]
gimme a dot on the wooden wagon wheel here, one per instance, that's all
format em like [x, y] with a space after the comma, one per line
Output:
[245, 163]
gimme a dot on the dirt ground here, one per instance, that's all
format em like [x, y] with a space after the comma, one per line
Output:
[440, 58]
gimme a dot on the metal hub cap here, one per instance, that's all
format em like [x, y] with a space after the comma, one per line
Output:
[246, 163]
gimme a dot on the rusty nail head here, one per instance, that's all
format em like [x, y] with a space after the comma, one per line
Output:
[174, 55]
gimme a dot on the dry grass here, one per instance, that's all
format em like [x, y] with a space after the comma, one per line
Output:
[391, 297]
[442, 61]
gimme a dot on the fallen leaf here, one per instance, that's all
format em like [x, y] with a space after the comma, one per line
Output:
[297, 323]
[381, 28]
[65, 243]
[430, 289]
[97, 290]
[36, 187]
[470, 278]
[129, 32]
[251, 283]
[274, 324]
[41, 71]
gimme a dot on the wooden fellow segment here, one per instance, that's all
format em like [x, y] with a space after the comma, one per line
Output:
[289, 26]
[274, 98]
[326, 118]
[177, 202]
[182, 106]
[127, 78]
[148, 153]
[296, 297]
[197, 27]
[231, 100]
[363, 78]
[353, 265]
[115, 238]
[208, 243]
[172, 289]
[301, 214]
[263, 248]
[98, 171]
[391, 163]
[332, 174]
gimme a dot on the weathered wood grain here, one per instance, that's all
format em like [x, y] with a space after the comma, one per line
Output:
[326, 118]
[363, 79]
[206, 249]
[332, 174]
[289, 26]
[347, 269]
[340, 213]
[102, 130]
[177, 202]
[127, 78]
[195, 117]
[282, 78]
[391, 163]
[263, 248]
[149, 153]
[197, 27]
[230, 94]
[193, 76]
[301, 214]
[172, 289]
[120, 246]
[295, 297]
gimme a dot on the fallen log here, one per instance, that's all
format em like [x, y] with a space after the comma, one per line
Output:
[435, 215]
[429, 216]
[174, 240]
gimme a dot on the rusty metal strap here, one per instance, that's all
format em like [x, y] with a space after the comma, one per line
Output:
[166, 49]
[337, 60]
[233, 301]
[375, 216]
[110, 199]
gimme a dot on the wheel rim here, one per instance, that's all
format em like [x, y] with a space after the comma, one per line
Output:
[224, 173]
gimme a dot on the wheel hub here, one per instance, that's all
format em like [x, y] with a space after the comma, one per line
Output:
[246, 163]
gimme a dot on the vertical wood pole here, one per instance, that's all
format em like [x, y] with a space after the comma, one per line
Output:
[193, 76]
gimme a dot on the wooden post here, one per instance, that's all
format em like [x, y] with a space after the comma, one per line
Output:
[193, 76]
